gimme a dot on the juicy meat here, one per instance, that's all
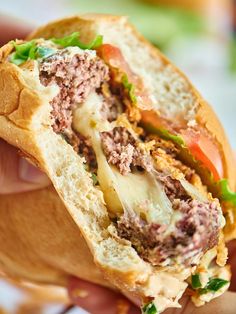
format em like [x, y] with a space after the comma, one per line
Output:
[121, 150]
[112, 105]
[83, 147]
[76, 76]
[196, 231]
[173, 188]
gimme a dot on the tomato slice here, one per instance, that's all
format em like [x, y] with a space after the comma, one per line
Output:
[203, 149]
[114, 58]
[200, 146]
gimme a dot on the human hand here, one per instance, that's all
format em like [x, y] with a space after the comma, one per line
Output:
[16, 174]
[99, 300]
[12, 28]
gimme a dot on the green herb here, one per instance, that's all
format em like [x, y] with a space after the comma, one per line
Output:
[130, 87]
[149, 308]
[73, 41]
[95, 179]
[196, 283]
[213, 285]
[29, 50]
[225, 193]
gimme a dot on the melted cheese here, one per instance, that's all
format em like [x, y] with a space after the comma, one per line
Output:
[139, 192]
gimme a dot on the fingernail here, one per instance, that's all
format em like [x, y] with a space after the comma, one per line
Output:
[30, 173]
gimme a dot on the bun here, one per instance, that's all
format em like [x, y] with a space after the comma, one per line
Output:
[25, 123]
[40, 242]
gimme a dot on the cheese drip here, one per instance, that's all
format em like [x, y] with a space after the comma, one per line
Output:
[140, 191]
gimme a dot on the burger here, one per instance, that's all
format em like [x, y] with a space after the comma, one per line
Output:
[137, 157]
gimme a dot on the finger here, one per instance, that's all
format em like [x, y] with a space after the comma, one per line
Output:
[224, 304]
[232, 261]
[98, 300]
[12, 28]
[16, 174]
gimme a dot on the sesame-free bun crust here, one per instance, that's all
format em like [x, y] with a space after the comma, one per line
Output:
[51, 247]
[40, 242]
[126, 37]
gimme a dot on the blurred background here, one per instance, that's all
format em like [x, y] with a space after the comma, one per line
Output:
[199, 36]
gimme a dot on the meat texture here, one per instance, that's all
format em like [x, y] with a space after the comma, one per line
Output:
[76, 76]
[195, 232]
[122, 150]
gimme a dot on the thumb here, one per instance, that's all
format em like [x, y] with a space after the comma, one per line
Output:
[16, 174]
[224, 304]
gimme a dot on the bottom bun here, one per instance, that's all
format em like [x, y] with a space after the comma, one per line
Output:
[40, 242]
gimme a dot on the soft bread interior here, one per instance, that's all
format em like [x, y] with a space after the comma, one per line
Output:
[171, 91]
[24, 122]
[40, 242]
[173, 94]
[30, 130]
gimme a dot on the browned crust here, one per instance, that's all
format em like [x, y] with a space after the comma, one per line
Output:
[40, 241]
[21, 104]
[204, 113]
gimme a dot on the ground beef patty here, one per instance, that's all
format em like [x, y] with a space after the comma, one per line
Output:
[76, 75]
[112, 106]
[173, 188]
[121, 150]
[82, 145]
[196, 231]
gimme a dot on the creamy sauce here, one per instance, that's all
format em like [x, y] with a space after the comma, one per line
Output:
[168, 287]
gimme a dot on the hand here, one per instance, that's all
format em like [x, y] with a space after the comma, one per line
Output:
[12, 28]
[99, 300]
[16, 174]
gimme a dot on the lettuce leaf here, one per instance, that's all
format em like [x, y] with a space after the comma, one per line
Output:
[149, 308]
[177, 139]
[29, 50]
[225, 193]
[221, 188]
[72, 40]
[165, 134]
[130, 87]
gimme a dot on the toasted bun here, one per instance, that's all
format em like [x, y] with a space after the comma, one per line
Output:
[25, 123]
[40, 242]
[176, 97]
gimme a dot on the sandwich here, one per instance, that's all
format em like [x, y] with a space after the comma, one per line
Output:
[137, 157]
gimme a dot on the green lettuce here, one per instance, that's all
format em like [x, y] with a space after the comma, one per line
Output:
[177, 139]
[225, 193]
[72, 40]
[165, 134]
[130, 88]
[29, 50]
